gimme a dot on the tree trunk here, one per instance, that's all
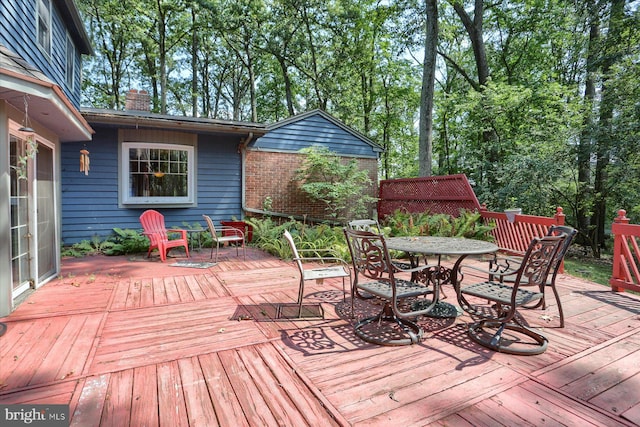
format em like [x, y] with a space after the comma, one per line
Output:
[586, 137]
[428, 85]
[603, 141]
[194, 64]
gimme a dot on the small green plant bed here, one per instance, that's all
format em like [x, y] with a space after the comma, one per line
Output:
[121, 242]
[268, 235]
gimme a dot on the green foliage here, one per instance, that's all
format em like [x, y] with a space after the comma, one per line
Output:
[126, 242]
[268, 236]
[340, 186]
[468, 224]
[121, 242]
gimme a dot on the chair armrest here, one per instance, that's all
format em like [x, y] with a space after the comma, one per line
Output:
[183, 233]
[322, 259]
[228, 229]
[496, 268]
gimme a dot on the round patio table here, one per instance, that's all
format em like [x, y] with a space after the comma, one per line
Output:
[438, 246]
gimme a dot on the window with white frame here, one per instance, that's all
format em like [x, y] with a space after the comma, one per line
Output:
[44, 25]
[70, 64]
[157, 173]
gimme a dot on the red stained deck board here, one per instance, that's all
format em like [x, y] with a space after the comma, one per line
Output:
[196, 393]
[211, 286]
[19, 366]
[469, 417]
[117, 409]
[274, 392]
[425, 401]
[88, 411]
[191, 284]
[577, 373]
[502, 415]
[615, 369]
[225, 401]
[57, 393]
[116, 358]
[303, 398]
[68, 356]
[622, 397]
[633, 414]
[542, 407]
[144, 401]
[251, 400]
[171, 402]
[252, 281]
[159, 292]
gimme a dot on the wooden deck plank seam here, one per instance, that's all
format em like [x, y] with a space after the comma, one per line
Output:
[582, 403]
[332, 410]
[589, 350]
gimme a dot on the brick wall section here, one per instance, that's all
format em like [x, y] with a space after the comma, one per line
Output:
[272, 174]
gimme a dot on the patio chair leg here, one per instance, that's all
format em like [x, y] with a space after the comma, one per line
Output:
[413, 332]
[479, 331]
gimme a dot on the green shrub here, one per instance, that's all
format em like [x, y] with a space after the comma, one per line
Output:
[269, 236]
[469, 224]
[338, 184]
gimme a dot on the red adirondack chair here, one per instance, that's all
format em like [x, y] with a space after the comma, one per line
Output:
[153, 225]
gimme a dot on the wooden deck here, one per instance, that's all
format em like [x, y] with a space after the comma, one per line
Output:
[137, 342]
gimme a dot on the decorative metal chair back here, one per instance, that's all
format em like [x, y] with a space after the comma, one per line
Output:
[538, 261]
[369, 255]
[555, 230]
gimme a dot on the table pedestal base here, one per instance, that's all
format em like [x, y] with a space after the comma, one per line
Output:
[390, 329]
[442, 310]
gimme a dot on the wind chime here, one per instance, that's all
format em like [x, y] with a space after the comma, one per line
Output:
[84, 161]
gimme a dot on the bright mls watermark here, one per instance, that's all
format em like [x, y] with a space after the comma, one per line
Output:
[34, 415]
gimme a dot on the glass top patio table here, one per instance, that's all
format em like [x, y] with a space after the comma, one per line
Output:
[436, 245]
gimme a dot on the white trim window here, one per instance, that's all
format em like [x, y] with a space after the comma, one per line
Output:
[157, 174]
[44, 25]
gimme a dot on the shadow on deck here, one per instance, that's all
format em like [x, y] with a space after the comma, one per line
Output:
[131, 341]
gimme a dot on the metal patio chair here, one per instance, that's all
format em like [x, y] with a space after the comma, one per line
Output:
[502, 299]
[514, 262]
[341, 269]
[228, 235]
[375, 275]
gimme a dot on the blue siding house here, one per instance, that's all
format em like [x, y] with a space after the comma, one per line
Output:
[230, 167]
[115, 191]
[41, 48]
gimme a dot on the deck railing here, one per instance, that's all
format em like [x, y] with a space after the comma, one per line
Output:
[514, 234]
[626, 254]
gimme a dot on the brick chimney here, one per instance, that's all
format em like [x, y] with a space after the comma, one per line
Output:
[138, 100]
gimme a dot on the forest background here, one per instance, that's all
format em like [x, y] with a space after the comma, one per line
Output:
[536, 101]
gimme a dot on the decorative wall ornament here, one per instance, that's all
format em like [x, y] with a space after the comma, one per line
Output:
[84, 161]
